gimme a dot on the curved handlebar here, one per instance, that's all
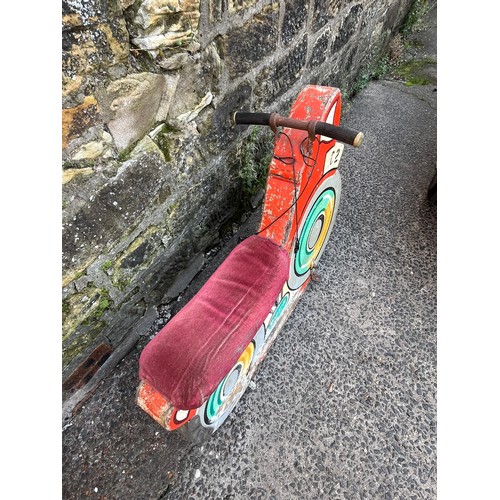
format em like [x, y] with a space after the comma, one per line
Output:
[314, 127]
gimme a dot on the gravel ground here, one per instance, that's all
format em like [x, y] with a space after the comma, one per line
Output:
[345, 403]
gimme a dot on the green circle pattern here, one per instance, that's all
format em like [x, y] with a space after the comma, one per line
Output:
[215, 401]
[277, 312]
[302, 259]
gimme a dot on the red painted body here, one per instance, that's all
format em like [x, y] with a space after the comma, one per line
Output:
[292, 194]
[313, 103]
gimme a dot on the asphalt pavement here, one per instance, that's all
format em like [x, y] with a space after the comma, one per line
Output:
[344, 405]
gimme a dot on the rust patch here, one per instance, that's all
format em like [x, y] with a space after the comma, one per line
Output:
[154, 404]
[87, 369]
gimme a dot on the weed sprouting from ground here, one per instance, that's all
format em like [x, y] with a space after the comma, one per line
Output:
[413, 20]
[369, 73]
[254, 157]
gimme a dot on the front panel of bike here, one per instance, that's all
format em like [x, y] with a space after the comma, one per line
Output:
[299, 210]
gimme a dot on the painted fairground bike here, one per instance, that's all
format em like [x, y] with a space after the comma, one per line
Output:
[198, 366]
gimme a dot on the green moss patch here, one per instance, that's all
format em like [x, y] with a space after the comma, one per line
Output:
[254, 157]
[82, 321]
[136, 257]
[161, 141]
[80, 342]
[107, 265]
[84, 308]
[411, 71]
[413, 20]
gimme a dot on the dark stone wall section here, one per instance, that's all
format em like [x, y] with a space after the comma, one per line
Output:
[277, 80]
[294, 20]
[258, 38]
[324, 12]
[320, 49]
[347, 28]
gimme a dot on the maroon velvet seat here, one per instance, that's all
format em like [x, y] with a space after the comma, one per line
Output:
[196, 349]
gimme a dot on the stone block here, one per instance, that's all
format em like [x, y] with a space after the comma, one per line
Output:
[115, 210]
[130, 105]
[349, 63]
[244, 48]
[191, 115]
[101, 146]
[237, 5]
[161, 24]
[222, 131]
[95, 44]
[171, 82]
[217, 8]
[319, 50]
[294, 19]
[140, 250]
[131, 317]
[395, 14]
[126, 3]
[347, 29]
[195, 82]
[184, 242]
[147, 145]
[278, 79]
[126, 266]
[70, 173]
[153, 13]
[185, 277]
[173, 62]
[334, 78]
[81, 342]
[324, 11]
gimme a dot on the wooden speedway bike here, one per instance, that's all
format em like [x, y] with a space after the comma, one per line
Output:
[195, 370]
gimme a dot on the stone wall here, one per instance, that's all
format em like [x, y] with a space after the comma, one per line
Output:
[151, 164]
